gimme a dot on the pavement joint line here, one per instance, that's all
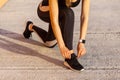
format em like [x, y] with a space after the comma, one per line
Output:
[102, 68]
[33, 68]
[101, 33]
[38, 68]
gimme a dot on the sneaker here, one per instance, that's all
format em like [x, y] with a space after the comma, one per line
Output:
[27, 32]
[73, 63]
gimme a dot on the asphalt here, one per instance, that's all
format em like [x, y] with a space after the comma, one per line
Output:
[22, 59]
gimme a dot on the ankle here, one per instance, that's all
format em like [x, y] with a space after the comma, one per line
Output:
[30, 27]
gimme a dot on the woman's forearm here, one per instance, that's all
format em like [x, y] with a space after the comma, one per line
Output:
[53, 5]
[84, 18]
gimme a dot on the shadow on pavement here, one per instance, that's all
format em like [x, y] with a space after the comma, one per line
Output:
[19, 49]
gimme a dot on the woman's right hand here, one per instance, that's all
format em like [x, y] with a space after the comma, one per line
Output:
[66, 53]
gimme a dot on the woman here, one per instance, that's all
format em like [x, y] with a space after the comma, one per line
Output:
[60, 16]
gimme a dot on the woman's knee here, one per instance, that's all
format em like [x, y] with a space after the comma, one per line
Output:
[68, 12]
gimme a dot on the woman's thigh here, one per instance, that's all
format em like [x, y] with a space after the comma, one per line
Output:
[43, 15]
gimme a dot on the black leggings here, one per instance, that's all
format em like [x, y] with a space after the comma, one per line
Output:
[66, 22]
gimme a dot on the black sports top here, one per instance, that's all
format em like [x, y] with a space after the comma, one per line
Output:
[61, 3]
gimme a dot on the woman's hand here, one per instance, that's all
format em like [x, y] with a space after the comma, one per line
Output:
[81, 50]
[66, 53]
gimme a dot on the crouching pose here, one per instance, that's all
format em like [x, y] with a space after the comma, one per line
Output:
[60, 16]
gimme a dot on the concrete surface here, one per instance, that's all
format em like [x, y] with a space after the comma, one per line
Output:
[22, 59]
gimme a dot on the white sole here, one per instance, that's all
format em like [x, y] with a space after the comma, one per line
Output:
[67, 65]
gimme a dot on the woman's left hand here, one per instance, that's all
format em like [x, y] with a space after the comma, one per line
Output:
[81, 50]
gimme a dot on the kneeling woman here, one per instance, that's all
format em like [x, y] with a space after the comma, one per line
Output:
[60, 16]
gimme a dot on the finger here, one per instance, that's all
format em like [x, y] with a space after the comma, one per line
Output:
[65, 55]
[79, 53]
[69, 55]
[71, 51]
[83, 52]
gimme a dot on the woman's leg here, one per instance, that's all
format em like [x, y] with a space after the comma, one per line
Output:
[66, 19]
[67, 27]
[40, 32]
[50, 35]
[47, 36]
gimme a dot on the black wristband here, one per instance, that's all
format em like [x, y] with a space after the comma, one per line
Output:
[82, 41]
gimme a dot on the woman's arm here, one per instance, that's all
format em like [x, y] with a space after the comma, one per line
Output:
[53, 6]
[83, 27]
[84, 18]
[2, 2]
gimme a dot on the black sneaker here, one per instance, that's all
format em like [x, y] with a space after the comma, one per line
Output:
[73, 63]
[27, 32]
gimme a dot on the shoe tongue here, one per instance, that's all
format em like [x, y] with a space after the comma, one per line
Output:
[73, 56]
[74, 60]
